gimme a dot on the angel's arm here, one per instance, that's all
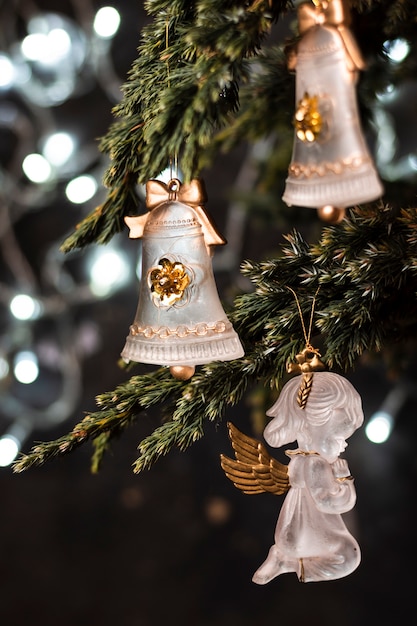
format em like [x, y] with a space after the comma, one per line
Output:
[331, 492]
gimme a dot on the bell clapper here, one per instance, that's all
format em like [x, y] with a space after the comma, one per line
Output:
[182, 372]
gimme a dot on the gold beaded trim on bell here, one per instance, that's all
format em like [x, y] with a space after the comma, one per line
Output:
[200, 330]
[328, 167]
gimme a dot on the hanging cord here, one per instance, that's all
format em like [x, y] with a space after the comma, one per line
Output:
[308, 360]
[173, 161]
[307, 334]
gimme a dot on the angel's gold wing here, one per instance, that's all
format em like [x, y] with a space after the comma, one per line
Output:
[254, 470]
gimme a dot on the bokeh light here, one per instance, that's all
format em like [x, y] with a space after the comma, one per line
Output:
[108, 272]
[106, 22]
[379, 427]
[81, 189]
[58, 148]
[26, 369]
[24, 307]
[37, 168]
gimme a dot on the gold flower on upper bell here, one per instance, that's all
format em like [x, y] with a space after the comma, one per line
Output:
[307, 120]
[168, 281]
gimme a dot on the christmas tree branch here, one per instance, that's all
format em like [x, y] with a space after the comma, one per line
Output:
[182, 88]
[367, 271]
[195, 62]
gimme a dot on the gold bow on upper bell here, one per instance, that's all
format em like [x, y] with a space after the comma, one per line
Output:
[331, 14]
[193, 194]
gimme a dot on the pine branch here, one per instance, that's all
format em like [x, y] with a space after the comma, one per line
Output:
[116, 411]
[182, 88]
[367, 269]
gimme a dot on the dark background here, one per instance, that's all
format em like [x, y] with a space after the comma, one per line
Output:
[178, 544]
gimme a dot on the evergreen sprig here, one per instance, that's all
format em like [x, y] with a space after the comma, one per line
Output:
[367, 271]
[182, 88]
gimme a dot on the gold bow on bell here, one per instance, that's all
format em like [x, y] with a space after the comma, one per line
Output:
[192, 194]
[332, 14]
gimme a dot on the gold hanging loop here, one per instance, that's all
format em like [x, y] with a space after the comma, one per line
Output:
[308, 360]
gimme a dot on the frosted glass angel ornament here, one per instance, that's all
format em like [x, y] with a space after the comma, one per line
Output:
[320, 411]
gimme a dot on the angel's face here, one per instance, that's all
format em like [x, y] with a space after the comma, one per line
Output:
[329, 439]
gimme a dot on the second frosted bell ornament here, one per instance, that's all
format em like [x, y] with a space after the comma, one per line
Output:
[180, 321]
[331, 167]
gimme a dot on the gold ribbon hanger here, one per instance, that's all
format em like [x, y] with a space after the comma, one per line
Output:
[308, 360]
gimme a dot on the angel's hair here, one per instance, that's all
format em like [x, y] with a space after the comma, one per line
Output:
[329, 391]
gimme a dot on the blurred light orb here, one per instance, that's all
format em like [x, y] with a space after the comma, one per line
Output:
[412, 160]
[81, 189]
[397, 49]
[106, 22]
[50, 59]
[58, 148]
[24, 307]
[108, 272]
[387, 93]
[36, 168]
[33, 47]
[51, 39]
[49, 48]
[4, 368]
[26, 369]
[7, 72]
[9, 449]
[379, 427]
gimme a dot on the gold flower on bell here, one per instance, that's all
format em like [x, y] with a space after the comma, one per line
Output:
[307, 120]
[168, 281]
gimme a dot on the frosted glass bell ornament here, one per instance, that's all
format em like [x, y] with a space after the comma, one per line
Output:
[179, 321]
[331, 167]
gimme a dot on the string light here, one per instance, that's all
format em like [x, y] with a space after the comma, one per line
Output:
[26, 369]
[36, 168]
[9, 449]
[397, 49]
[58, 148]
[106, 22]
[4, 368]
[81, 189]
[24, 307]
[109, 271]
[379, 427]
[11, 443]
[46, 49]
[7, 72]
